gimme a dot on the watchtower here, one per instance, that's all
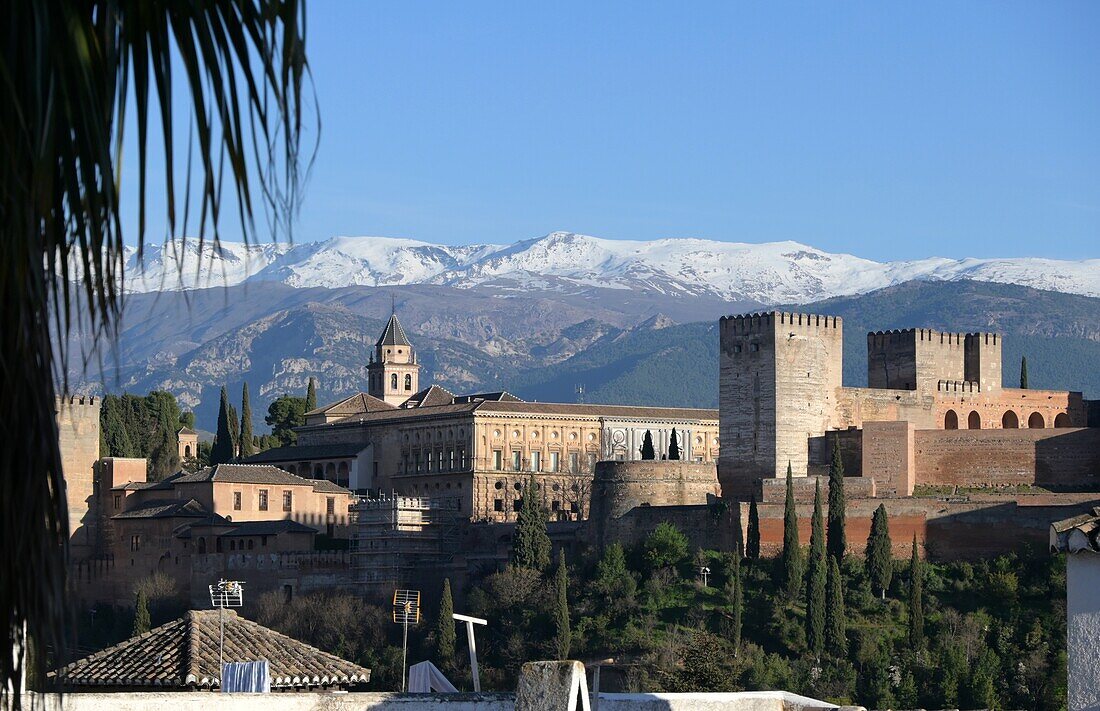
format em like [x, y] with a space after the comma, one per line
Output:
[393, 373]
[78, 439]
[779, 376]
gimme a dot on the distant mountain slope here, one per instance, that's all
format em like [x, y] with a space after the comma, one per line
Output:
[631, 349]
[563, 262]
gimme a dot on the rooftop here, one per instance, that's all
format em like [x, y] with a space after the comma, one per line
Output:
[1076, 534]
[251, 474]
[393, 334]
[183, 654]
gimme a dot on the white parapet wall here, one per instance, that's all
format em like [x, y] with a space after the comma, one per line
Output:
[1083, 629]
[310, 701]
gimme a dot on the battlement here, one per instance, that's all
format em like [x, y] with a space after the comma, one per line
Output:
[766, 321]
[957, 386]
[78, 401]
[880, 339]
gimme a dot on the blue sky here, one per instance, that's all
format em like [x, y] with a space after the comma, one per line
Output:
[887, 130]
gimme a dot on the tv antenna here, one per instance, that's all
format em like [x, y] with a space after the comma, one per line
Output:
[226, 593]
[406, 611]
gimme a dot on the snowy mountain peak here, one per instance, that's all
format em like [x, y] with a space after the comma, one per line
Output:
[771, 272]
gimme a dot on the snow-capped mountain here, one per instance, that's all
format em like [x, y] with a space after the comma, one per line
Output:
[771, 273]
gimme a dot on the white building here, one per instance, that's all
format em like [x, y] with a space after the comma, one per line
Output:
[1079, 537]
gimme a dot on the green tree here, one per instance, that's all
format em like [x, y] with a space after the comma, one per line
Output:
[880, 555]
[164, 419]
[531, 544]
[836, 623]
[816, 579]
[666, 547]
[142, 621]
[248, 444]
[916, 602]
[223, 439]
[445, 629]
[235, 430]
[1023, 372]
[77, 71]
[114, 439]
[792, 549]
[283, 415]
[674, 446]
[735, 597]
[647, 446]
[311, 395]
[752, 541]
[837, 541]
[563, 637]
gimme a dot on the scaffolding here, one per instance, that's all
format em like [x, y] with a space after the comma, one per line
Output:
[396, 535]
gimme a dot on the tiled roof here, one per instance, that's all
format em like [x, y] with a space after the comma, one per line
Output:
[393, 334]
[139, 486]
[183, 654]
[305, 453]
[186, 431]
[499, 395]
[359, 402]
[268, 528]
[1080, 533]
[173, 508]
[245, 474]
[432, 396]
[324, 486]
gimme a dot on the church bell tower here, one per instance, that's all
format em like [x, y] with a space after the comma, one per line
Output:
[393, 373]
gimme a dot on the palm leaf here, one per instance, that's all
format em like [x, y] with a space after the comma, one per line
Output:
[69, 70]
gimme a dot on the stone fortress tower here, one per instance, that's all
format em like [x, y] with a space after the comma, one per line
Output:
[393, 373]
[78, 438]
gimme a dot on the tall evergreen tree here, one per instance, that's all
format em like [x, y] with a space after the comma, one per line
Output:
[916, 601]
[283, 415]
[563, 636]
[738, 533]
[837, 540]
[114, 438]
[235, 430]
[836, 623]
[735, 594]
[647, 446]
[248, 443]
[164, 419]
[222, 451]
[880, 555]
[142, 621]
[816, 580]
[792, 550]
[445, 629]
[531, 544]
[311, 395]
[674, 446]
[1023, 372]
[752, 541]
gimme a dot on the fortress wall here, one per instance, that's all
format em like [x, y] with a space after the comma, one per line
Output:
[774, 491]
[78, 438]
[1064, 458]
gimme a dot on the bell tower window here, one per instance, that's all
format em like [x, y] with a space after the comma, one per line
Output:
[393, 381]
[408, 382]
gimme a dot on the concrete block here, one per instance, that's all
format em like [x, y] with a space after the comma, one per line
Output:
[552, 686]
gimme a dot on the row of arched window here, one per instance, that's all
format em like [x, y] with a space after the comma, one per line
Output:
[394, 381]
[1009, 420]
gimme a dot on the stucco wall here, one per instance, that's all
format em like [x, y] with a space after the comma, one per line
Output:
[1083, 617]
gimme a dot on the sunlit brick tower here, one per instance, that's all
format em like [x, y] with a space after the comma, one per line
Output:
[393, 372]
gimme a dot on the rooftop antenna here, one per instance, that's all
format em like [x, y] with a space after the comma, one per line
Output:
[406, 611]
[227, 593]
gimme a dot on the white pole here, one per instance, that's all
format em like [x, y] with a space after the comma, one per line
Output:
[473, 656]
[221, 645]
[404, 652]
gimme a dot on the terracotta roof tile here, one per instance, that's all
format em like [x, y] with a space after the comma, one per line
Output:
[359, 402]
[183, 654]
[250, 474]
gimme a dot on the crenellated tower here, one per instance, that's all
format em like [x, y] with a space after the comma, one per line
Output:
[393, 373]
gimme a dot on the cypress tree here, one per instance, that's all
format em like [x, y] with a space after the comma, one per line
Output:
[792, 551]
[647, 446]
[674, 446]
[880, 555]
[738, 533]
[222, 451]
[531, 545]
[445, 629]
[816, 579]
[836, 624]
[563, 637]
[1023, 372]
[916, 602]
[752, 542]
[736, 596]
[248, 444]
[311, 395]
[142, 622]
[837, 539]
[235, 430]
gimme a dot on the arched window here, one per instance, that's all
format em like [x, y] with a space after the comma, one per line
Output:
[974, 420]
[1036, 421]
[343, 474]
[1009, 421]
[187, 451]
[408, 382]
[951, 421]
[393, 381]
[330, 471]
[1062, 420]
[202, 546]
[318, 472]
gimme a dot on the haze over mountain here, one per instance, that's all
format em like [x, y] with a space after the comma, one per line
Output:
[563, 262]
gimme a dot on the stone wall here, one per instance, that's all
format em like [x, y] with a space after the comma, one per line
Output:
[774, 491]
[78, 437]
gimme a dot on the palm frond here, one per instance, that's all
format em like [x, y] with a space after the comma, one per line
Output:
[69, 70]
